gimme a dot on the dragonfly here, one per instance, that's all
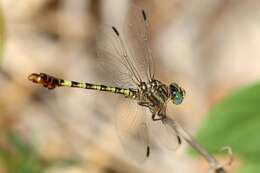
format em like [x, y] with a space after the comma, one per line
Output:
[129, 58]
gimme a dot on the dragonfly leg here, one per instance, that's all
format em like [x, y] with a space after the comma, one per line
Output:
[162, 115]
[156, 119]
[145, 104]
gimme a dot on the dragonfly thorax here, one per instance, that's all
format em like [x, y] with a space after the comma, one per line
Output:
[153, 94]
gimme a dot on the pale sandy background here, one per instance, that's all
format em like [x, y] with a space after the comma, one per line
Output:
[208, 47]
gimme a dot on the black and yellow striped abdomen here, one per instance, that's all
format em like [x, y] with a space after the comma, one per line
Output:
[83, 85]
[51, 82]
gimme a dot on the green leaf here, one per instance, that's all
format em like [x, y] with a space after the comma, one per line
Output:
[250, 167]
[235, 121]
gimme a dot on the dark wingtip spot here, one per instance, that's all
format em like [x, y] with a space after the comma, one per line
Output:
[144, 15]
[115, 30]
[179, 139]
[220, 170]
[147, 151]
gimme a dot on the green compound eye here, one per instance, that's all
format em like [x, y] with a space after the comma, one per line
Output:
[178, 98]
[177, 93]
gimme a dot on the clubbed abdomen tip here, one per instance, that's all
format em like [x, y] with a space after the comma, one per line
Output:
[34, 77]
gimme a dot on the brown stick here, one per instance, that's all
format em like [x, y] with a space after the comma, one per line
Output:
[215, 166]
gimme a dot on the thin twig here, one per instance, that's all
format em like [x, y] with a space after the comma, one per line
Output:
[215, 166]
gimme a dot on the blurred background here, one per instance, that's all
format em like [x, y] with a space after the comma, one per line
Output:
[210, 48]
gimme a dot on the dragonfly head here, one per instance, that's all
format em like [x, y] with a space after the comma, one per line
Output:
[177, 93]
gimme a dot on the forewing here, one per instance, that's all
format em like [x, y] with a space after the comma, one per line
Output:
[114, 58]
[133, 133]
[136, 30]
[126, 56]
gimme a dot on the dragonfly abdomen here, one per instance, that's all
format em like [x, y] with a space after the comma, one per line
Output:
[51, 82]
[98, 87]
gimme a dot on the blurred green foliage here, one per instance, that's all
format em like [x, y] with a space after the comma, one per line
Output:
[19, 157]
[252, 167]
[235, 121]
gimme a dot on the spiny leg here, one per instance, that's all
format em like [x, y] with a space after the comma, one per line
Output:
[149, 105]
[145, 104]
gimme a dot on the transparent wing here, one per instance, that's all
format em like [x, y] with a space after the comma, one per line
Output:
[114, 57]
[126, 57]
[132, 131]
[164, 134]
[137, 36]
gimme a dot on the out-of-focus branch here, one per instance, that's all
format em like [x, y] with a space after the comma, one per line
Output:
[215, 166]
